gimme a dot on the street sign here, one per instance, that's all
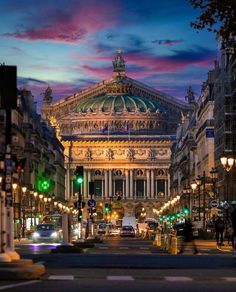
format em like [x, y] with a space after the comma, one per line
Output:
[214, 204]
[91, 203]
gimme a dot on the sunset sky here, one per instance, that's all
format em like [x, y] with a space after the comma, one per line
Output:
[70, 44]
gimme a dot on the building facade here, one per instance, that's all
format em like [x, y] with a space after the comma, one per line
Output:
[121, 131]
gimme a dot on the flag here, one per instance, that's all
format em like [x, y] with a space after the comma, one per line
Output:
[104, 128]
[125, 128]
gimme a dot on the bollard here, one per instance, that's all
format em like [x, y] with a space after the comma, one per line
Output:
[174, 245]
[157, 240]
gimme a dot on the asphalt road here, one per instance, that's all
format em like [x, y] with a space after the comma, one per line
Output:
[131, 265]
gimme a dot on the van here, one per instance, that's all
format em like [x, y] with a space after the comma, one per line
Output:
[130, 221]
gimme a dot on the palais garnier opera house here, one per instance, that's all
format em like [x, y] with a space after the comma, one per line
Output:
[121, 131]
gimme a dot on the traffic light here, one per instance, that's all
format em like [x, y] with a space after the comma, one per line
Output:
[80, 215]
[91, 188]
[44, 184]
[107, 207]
[19, 165]
[79, 174]
[186, 211]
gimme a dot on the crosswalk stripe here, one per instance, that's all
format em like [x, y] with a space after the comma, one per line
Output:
[178, 279]
[123, 247]
[120, 278]
[61, 277]
[230, 279]
[103, 247]
[144, 248]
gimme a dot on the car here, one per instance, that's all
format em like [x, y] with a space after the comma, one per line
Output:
[46, 233]
[127, 231]
[101, 228]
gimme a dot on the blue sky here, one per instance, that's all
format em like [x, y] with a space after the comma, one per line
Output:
[70, 44]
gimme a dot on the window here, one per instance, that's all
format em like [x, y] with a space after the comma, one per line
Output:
[161, 188]
[139, 188]
[98, 188]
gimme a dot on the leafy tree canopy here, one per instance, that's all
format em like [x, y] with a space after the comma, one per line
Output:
[218, 16]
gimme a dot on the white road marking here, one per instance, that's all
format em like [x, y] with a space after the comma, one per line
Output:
[178, 279]
[144, 248]
[120, 278]
[103, 247]
[230, 279]
[19, 284]
[123, 247]
[61, 277]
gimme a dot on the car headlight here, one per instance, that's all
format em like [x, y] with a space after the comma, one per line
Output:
[54, 234]
[36, 234]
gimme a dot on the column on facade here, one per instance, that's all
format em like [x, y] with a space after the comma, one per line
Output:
[106, 183]
[166, 186]
[110, 183]
[67, 184]
[131, 194]
[89, 179]
[85, 185]
[123, 187]
[152, 184]
[127, 183]
[148, 183]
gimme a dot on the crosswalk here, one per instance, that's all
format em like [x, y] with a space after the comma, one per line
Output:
[133, 278]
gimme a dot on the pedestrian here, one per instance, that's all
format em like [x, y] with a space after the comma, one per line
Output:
[219, 230]
[228, 233]
[188, 238]
[233, 219]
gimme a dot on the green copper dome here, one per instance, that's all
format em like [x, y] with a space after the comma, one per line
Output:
[119, 103]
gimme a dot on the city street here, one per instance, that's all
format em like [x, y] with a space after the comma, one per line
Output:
[130, 264]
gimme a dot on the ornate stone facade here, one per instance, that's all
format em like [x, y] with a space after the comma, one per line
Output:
[121, 131]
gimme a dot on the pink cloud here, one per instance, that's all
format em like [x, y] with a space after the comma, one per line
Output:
[73, 27]
[99, 73]
[164, 64]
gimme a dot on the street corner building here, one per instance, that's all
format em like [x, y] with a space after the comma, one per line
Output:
[121, 131]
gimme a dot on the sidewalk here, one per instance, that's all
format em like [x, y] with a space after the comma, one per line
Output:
[210, 243]
[22, 269]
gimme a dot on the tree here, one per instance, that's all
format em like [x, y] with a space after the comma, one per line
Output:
[218, 16]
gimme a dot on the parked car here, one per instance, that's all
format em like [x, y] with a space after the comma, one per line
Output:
[46, 233]
[127, 231]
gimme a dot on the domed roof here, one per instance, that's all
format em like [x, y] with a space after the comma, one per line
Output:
[119, 103]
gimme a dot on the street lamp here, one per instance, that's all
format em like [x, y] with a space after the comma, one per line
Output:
[187, 191]
[198, 183]
[24, 189]
[227, 163]
[214, 177]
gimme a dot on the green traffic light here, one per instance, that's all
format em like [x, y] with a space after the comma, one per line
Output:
[79, 180]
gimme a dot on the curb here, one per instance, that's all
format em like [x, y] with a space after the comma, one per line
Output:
[22, 272]
[67, 249]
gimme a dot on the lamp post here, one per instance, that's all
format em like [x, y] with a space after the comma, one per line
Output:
[193, 186]
[187, 191]
[227, 164]
[198, 182]
[214, 177]
[35, 207]
[24, 189]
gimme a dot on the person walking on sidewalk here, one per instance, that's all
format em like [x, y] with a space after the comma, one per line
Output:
[188, 238]
[219, 229]
[233, 219]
